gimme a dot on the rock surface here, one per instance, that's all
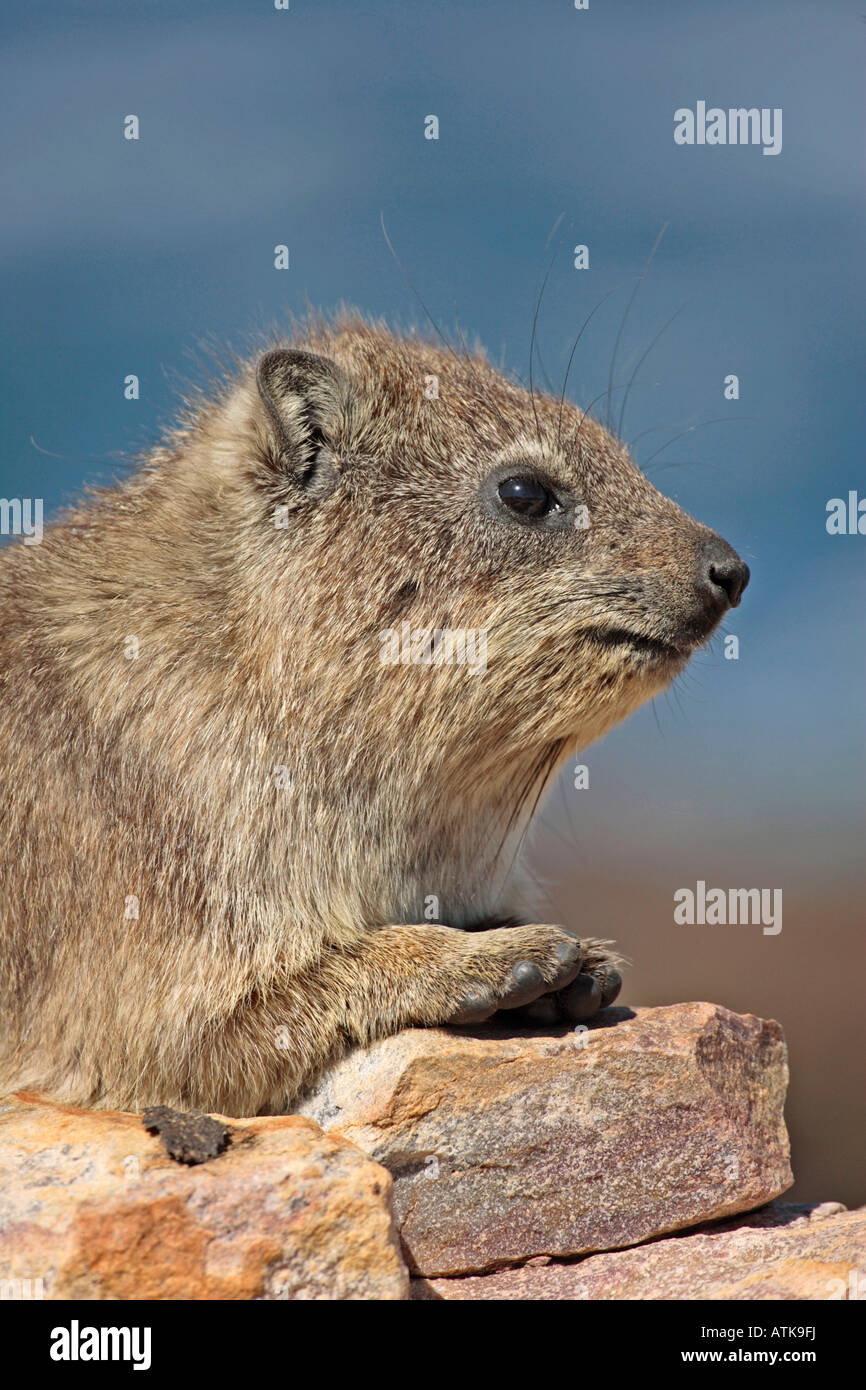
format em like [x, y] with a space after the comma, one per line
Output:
[782, 1252]
[93, 1206]
[506, 1146]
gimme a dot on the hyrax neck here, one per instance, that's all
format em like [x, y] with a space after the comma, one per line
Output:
[373, 851]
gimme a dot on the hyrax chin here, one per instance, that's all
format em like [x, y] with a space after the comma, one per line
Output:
[299, 681]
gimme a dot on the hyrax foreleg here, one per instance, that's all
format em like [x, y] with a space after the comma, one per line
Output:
[428, 975]
[415, 976]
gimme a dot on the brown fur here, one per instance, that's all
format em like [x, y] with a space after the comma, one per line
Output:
[273, 927]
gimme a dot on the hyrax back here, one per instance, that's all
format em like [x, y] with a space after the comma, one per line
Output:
[296, 687]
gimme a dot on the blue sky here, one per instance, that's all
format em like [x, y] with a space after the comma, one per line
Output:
[259, 127]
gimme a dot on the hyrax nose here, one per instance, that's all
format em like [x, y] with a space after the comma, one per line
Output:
[724, 574]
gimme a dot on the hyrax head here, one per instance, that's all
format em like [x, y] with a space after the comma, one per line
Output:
[409, 491]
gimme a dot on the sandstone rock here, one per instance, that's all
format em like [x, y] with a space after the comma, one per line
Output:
[784, 1252]
[92, 1205]
[508, 1145]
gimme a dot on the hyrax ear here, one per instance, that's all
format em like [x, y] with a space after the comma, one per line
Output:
[303, 395]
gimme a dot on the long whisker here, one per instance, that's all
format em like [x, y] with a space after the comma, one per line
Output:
[567, 806]
[678, 463]
[543, 770]
[544, 824]
[519, 796]
[547, 381]
[625, 316]
[584, 326]
[535, 322]
[654, 429]
[437, 330]
[585, 413]
[719, 420]
[640, 363]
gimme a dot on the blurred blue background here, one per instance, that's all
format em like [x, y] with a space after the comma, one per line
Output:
[261, 127]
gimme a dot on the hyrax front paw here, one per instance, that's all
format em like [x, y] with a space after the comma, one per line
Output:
[597, 985]
[523, 968]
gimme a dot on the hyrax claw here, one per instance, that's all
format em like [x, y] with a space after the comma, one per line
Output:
[580, 1000]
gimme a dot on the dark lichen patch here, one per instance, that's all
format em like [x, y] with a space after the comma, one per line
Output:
[187, 1138]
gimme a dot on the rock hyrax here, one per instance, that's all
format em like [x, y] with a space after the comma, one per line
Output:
[293, 689]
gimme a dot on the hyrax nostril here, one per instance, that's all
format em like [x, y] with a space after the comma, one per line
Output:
[725, 573]
[732, 577]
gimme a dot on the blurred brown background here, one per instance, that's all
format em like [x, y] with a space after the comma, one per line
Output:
[611, 858]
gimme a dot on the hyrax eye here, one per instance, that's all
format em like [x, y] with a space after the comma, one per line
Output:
[527, 497]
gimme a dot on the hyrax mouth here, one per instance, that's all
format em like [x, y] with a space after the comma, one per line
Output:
[653, 648]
